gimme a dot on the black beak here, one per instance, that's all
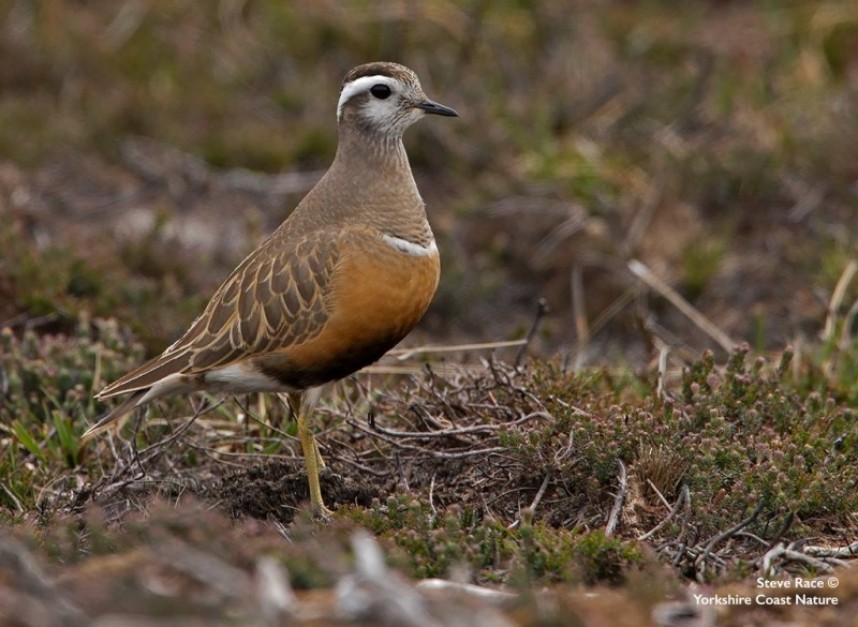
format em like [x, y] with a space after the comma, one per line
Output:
[437, 109]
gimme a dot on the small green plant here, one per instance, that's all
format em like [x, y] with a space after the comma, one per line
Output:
[430, 546]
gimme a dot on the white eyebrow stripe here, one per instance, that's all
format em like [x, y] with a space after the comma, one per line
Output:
[362, 84]
[410, 248]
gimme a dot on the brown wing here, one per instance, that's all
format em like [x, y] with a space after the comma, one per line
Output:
[276, 297]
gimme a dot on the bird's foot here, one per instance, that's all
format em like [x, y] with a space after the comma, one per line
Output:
[320, 512]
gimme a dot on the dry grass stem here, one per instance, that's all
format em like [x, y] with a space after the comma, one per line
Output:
[702, 322]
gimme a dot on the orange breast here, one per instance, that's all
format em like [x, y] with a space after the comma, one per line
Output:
[378, 295]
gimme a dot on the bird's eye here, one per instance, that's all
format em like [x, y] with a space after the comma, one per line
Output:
[380, 91]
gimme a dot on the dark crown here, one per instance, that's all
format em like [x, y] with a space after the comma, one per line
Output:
[381, 68]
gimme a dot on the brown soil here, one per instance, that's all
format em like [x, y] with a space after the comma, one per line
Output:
[274, 491]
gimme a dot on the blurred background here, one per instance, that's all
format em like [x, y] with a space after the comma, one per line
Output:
[147, 145]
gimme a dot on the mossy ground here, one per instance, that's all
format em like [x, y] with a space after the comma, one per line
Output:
[147, 147]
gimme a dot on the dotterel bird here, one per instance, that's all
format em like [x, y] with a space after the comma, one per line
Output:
[345, 277]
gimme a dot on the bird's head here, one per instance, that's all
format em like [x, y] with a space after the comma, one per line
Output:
[384, 98]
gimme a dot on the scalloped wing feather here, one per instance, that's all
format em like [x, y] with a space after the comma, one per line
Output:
[277, 297]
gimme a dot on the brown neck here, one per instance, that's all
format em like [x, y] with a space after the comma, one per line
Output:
[375, 157]
[371, 172]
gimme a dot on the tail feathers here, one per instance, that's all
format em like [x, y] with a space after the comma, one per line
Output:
[116, 414]
[149, 374]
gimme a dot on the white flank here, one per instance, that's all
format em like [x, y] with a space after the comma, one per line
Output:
[410, 248]
[362, 84]
[241, 379]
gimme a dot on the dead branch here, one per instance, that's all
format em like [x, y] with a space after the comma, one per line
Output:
[788, 553]
[840, 553]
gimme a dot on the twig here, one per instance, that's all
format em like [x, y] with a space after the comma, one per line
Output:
[560, 455]
[202, 566]
[148, 454]
[454, 588]
[658, 493]
[128, 20]
[579, 313]
[401, 470]
[837, 298]
[754, 537]
[432, 500]
[38, 592]
[727, 534]
[842, 552]
[536, 499]
[405, 353]
[541, 492]
[216, 454]
[614, 309]
[683, 498]
[702, 322]
[460, 431]
[787, 553]
[541, 310]
[784, 528]
[848, 325]
[614, 517]
[683, 549]
[663, 351]
[460, 454]
[808, 202]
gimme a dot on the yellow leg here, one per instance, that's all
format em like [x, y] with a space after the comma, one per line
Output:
[312, 458]
[319, 461]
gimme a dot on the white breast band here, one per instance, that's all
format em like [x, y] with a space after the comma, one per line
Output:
[410, 247]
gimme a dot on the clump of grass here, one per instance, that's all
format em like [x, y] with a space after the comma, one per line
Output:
[660, 471]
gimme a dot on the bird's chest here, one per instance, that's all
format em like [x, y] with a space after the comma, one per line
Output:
[383, 289]
[378, 293]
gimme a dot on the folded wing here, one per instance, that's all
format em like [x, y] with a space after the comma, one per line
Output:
[277, 297]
